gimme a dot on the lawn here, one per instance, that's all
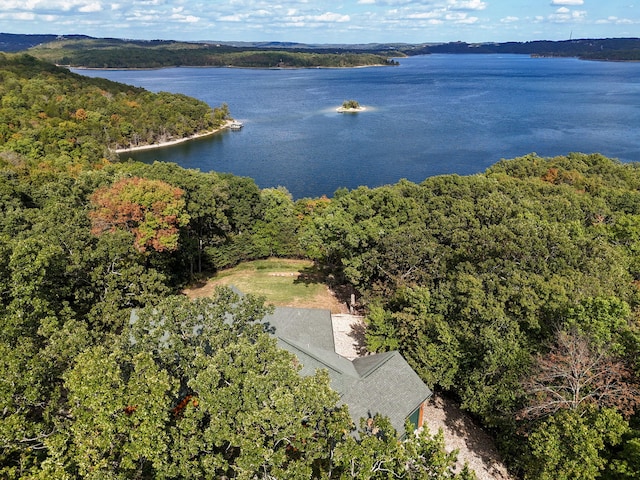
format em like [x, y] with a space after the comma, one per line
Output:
[283, 282]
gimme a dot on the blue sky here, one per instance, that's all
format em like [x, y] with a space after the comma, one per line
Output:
[322, 21]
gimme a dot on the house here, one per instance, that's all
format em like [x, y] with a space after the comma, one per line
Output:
[381, 383]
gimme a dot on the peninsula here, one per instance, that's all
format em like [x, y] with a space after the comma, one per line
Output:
[151, 146]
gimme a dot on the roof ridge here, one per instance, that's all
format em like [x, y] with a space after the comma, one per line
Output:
[320, 355]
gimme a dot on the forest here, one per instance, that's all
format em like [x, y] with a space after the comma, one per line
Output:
[514, 292]
[83, 51]
[114, 53]
[614, 49]
[48, 112]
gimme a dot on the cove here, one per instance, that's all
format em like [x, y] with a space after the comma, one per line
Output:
[432, 115]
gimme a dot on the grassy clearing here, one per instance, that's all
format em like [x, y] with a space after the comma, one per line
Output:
[283, 282]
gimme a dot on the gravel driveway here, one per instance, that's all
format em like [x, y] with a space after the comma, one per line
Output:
[474, 446]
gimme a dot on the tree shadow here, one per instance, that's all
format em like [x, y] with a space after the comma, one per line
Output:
[314, 275]
[310, 276]
[199, 283]
[357, 333]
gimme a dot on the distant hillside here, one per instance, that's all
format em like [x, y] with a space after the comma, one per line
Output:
[116, 53]
[84, 51]
[600, 49]
[12, 42]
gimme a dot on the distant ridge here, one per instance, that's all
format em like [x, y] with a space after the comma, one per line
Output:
[586, 48]
[16, 42]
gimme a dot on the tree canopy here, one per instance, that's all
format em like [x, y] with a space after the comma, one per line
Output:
[107, 370]
[50, 114]
[488, 284]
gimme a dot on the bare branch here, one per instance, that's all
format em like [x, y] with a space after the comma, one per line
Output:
[574, 375]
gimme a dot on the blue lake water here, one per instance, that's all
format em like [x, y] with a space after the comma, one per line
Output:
[431, 115]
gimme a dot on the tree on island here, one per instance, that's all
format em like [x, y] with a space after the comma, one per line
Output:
[350, 105]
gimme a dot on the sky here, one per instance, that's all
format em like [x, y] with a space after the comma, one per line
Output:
[325, 21]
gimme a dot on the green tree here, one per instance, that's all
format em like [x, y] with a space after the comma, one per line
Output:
[605, 321]
[625, 463]
[116, 421]
[571, 446]
[276, 231]
[377, 454]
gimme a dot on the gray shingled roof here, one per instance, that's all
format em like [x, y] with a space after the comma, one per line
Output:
[306, 326]
[382, 383]
[389, 387]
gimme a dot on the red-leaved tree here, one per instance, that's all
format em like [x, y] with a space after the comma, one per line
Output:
[152, 210]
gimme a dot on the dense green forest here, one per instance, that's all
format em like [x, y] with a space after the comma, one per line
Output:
[113, 53]
[515, 291]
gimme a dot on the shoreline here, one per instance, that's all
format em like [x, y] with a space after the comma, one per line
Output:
[350, 110]
[176, 141]
[69, 67]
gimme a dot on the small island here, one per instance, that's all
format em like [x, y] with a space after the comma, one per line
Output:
[350, 106]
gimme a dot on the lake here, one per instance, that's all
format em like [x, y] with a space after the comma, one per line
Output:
[432, 115]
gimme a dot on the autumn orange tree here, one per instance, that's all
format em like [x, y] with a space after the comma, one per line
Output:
[152, 210]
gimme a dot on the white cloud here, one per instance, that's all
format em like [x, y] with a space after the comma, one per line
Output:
[91, 8]
[399, 2]
[185, 18]
[564, 15]
[509, 19]
[366, 2]
[20, 16]
[423, 15]
[467, 4]
[232, 18]
[332, 17]
[15, 4]
[148, 2]
[52, 5]
[567, 2]
[615, 21]
[460, 18]
[305, 20]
